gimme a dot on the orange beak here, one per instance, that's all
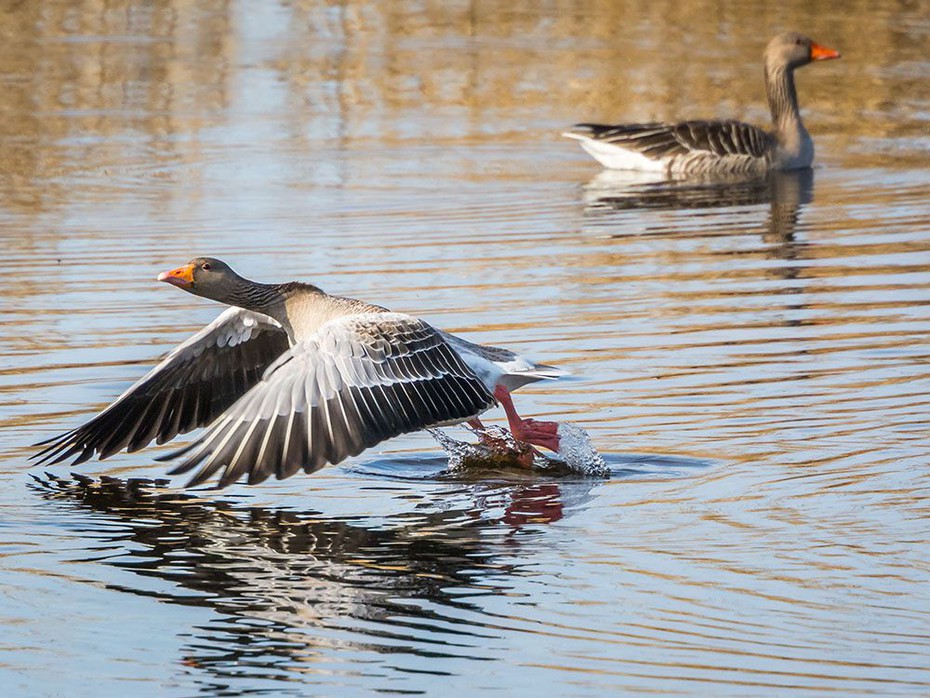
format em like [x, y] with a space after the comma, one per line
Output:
[181, 277]
[822, 53]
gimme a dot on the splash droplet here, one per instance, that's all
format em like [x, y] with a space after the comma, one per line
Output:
[578, 453]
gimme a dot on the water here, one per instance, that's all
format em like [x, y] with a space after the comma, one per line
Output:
[751, 360]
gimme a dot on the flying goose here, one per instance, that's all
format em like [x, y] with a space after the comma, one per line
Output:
[719, 147]
[293, 378]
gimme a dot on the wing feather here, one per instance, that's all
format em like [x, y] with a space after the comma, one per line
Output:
[360, 380]
[192, 386]
[666, 140]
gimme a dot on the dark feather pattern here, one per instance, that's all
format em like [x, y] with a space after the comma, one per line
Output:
[668, 140]
[190, 388]
[361, 380]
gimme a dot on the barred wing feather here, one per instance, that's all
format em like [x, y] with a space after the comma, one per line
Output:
[662, 140]
[360, 380]
[191, 387]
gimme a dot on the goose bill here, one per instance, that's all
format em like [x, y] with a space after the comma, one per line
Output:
[822, 53]
[182, 276]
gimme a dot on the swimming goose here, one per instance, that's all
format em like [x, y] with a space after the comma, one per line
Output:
[291, 377]
[719, 147]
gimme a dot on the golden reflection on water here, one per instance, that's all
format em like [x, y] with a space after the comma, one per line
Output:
[751, 357]
[352, 74]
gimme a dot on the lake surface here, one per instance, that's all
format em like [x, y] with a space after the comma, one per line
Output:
[751, 359]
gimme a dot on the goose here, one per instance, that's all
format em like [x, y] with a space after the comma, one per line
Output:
[695, 148]
[290, 377]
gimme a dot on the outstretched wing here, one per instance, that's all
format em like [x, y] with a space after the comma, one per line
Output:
[360, 380]
[190, 388]
[662, 140]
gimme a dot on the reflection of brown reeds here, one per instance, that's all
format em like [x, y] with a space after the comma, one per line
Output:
[76, 73]
[496, 72]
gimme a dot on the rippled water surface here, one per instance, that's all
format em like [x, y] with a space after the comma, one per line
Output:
[751, 359]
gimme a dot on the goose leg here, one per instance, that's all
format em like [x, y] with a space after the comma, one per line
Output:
[531, 431]
[520, 454]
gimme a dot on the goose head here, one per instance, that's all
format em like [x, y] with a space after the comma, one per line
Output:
[792, 50]
[207, 277]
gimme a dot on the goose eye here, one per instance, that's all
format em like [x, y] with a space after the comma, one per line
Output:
[206, 266]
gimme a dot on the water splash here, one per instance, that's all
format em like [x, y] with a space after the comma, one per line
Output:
[578, 453]
[499, 450]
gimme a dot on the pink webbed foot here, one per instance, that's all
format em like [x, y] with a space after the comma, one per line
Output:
[531, 431]
[520, 454]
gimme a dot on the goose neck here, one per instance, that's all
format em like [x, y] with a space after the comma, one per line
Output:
[783, 99]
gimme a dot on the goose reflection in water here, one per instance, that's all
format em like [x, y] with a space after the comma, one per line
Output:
[787, 193]
[287, 584]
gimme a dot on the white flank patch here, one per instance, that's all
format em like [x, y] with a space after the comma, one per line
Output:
[616, 158]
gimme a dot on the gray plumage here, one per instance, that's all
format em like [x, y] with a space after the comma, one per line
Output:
[692, 147]
[296, 380]
[361, 380]
[728, 147]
